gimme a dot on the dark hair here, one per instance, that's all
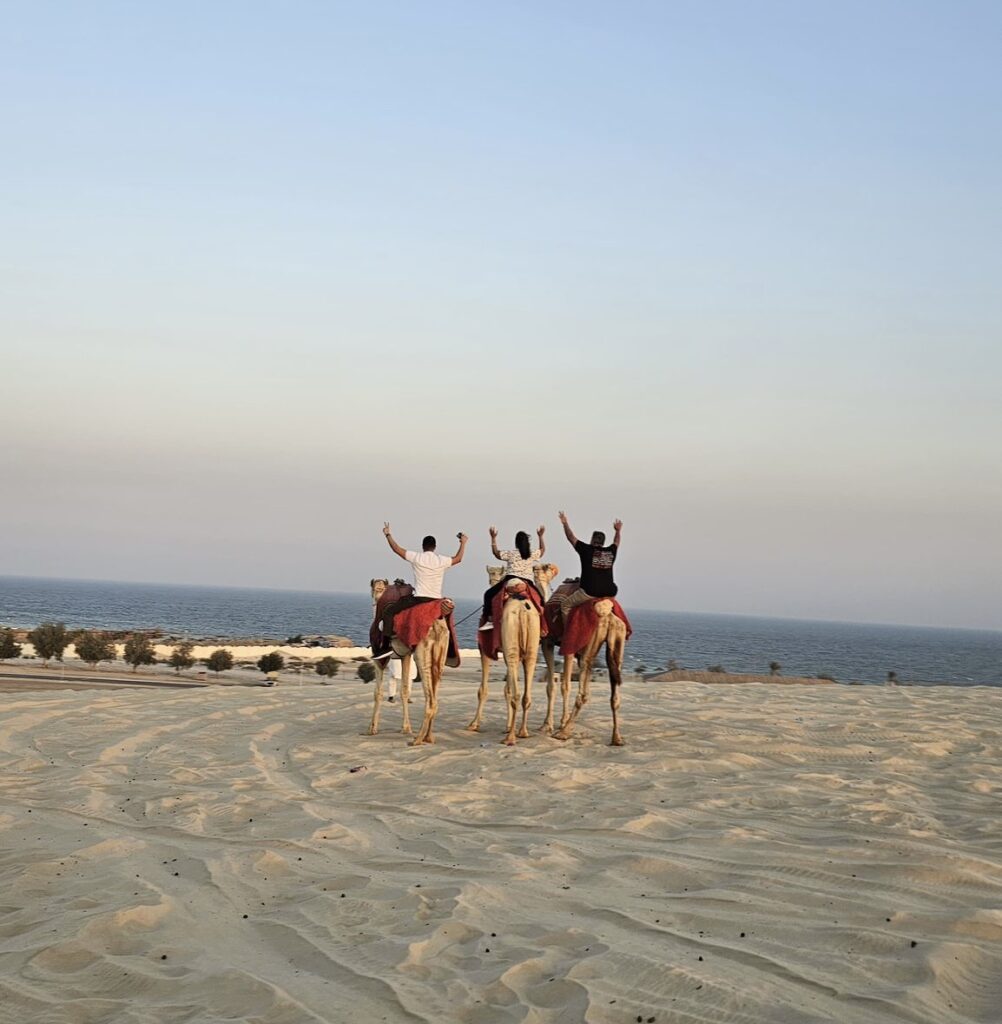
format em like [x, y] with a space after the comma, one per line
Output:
[598, 539]
[428, 544]
[523, 545]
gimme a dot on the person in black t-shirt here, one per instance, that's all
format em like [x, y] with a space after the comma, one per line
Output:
[597, 561]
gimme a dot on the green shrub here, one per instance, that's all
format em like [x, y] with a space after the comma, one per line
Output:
[181, 657]
[328, 667]
[9, 647]
[271, 662]
[139, 651]
[49, 640]
[93, 646]
[219, 660]
[367, 671]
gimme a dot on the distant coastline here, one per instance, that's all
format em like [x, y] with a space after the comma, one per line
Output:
[741, 644]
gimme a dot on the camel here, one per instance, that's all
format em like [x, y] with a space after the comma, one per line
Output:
[430, 655]
[611, 631]
[520, 632]
[377, 588]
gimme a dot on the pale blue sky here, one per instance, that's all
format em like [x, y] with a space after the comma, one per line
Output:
[272, 273]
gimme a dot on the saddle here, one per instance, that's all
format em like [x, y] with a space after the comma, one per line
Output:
[412, 623]
[553, 612]
[489, 641]
[396, 591]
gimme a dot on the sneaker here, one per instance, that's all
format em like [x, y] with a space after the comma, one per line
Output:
[486, 626]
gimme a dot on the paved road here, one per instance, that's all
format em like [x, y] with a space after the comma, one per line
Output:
[93, 680]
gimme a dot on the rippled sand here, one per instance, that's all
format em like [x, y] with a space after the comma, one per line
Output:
[754, 854]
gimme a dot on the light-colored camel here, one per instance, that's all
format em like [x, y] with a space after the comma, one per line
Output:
[430, 655]
[610, 630]
[520, 630]
[377, 588]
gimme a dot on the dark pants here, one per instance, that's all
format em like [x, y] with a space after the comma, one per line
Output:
[492, 592]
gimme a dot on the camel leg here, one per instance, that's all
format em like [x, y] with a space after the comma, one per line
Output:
[551, 686]
[405, 693]
[529, 670]
[377, 697]
[584, 679]
[614, 662]
[511, 697]
[421, 654]
[430, 655]
[436, 681]
[485, 671]
[565, 686]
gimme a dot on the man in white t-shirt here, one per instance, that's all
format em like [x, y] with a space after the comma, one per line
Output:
[429, 570]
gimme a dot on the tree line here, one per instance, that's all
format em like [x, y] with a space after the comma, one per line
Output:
[50, 640]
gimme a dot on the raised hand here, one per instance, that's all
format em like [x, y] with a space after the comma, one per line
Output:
[541, 531]
[618, 524]
[562, 516]
[461, 537]
[494, 532]
[386, 529]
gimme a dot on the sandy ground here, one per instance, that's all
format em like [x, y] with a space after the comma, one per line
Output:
[755, 853]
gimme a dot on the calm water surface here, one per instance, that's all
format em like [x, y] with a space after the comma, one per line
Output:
[846, 651]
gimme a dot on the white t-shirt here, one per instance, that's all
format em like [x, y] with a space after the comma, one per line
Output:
[429, 568]
[516, 565]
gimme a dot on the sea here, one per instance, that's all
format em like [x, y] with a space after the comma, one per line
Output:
[848, 652]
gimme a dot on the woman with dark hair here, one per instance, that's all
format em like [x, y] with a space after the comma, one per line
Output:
[518, 564]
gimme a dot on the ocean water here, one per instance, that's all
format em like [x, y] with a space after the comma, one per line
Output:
[847, 651]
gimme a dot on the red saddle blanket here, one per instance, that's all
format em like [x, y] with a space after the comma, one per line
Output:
[411, 626]
[582, 622]
[489, 640]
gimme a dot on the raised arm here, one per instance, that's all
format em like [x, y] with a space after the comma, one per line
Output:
[394, 546]
[568, 532]
[458, 556]
[494, 542]
[618, 524]
[542, 542]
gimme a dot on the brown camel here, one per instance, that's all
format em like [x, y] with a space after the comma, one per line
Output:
[520, 631]
[610, 631]
[377, 588]
[430, 655]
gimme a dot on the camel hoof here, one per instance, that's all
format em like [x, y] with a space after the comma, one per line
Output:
[508, 741]
[473, 727]
[373, 731]
[523, 734]
[408, 731]
[416, 743]
[561, 735]
[617, 741]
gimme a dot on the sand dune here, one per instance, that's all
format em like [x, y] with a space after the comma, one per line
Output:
[753, 854]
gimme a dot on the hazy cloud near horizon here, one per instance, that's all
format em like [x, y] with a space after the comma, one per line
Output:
[728, 273]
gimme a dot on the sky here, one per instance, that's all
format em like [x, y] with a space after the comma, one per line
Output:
[271, 274]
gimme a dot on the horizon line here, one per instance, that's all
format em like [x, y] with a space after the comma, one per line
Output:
[354, 593]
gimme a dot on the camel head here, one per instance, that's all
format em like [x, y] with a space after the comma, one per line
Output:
[494, 573]
[544, 574]
[376, 588]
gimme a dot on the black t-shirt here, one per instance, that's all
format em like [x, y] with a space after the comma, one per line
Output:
[596, 569]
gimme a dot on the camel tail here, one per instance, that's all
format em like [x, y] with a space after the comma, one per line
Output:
[523, 631]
